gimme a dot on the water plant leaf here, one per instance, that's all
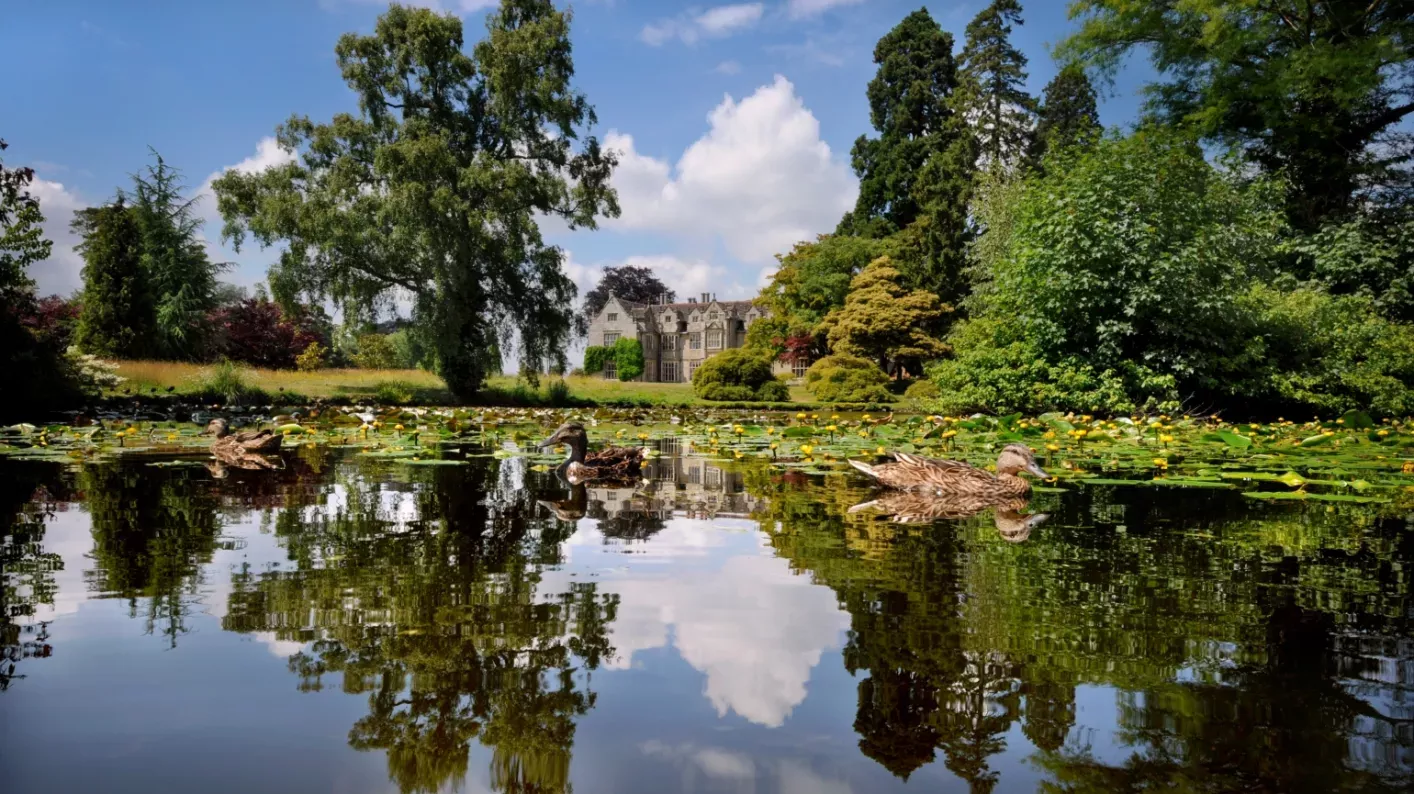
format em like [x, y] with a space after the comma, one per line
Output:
[1316, 440]
[1358, 420]
[1230, 438]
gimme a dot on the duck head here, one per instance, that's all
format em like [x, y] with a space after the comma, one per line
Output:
[572, 435]
[217, 427]
[1017, 458]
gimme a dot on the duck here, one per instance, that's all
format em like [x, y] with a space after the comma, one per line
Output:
[921, 507]
[230, 444]
[951, 477]
[571, 509]
[610, 463]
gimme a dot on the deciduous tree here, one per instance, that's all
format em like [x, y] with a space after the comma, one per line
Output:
[627, 282]
[1316, 91]
[433, 188]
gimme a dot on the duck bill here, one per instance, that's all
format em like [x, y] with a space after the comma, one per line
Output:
[554, 440]
[1037, 471]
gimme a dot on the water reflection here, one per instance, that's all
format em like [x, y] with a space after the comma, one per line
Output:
[1140, 640]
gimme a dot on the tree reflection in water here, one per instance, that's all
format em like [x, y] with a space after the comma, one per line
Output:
[1253, 648]
[423, 592]
[1248, 646]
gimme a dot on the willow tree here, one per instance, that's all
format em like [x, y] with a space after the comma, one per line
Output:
[433, 189]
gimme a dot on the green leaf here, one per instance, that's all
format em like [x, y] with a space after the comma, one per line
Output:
[1230, 438]
[1316, 440]
[1358, 420]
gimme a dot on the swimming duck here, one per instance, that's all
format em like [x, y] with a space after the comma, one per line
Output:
[615, 463]
[910, 472]
[919, 507]
[230, 444]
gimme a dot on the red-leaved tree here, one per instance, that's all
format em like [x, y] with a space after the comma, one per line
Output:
[257, 332]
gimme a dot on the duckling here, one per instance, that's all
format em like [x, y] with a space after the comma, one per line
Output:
[910, 472]
[582, 465]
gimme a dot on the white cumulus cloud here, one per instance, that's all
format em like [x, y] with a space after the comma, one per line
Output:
[62, 272]
[715, 22]
[251, 262]
[759, 180]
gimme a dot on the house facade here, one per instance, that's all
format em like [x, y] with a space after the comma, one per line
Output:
[677, 337]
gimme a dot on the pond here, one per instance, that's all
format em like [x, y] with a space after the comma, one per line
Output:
[388, 617]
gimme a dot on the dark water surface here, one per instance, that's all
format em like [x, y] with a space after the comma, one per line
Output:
[350, 625]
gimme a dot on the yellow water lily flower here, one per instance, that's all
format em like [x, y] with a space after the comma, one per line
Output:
[806, 449]
[880, 450]
[1161, 463]
[1053, 447]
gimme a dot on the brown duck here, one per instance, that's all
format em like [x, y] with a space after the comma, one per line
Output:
[243, 450]
[950, 477]
[610, 463]
[920, 507]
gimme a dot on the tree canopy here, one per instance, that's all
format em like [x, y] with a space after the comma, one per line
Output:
[1317, 91]
[883, 322]
[117, 315]
[1067, 115]
[992, 89]
[627, 282]
[181, 276]
[433, 188]
[909, 104]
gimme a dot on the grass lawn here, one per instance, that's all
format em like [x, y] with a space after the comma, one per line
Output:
[419, 386]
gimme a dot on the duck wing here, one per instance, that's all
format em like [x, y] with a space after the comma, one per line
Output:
[258, 440]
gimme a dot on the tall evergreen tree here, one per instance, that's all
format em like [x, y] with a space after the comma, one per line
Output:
[991, 91]
[117, 315]
[1067, 116]
[182, 277]
[909, 106]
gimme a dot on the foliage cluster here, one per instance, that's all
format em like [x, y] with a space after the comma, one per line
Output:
[315, 357]
[1138, 276]
[738, 374]
[432, 188]
[845, 378]
[375, 351]
[258, 332]
[148, 283]
[594, 358]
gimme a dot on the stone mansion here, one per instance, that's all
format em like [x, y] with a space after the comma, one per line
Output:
[677, 337]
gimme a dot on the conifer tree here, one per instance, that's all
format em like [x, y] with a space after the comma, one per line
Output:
[909, 106]
[182, 277]
[1067, 116]
[117, 315]
[884, 322]
[991, 92]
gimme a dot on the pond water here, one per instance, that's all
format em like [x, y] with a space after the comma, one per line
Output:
[351, 624]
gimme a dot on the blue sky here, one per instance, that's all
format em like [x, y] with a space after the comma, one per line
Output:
[734, 120]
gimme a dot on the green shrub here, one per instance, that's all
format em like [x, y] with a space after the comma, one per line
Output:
[738, 374]
[375, 352]
[557, 393]
[846, 378]
[922, 391]
[1329, 354]
[229, 383]
[394, 392]
[628, 358]
[999, 369]
[773, 391]
[409, 351]
[594, 358]
[313, 358]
